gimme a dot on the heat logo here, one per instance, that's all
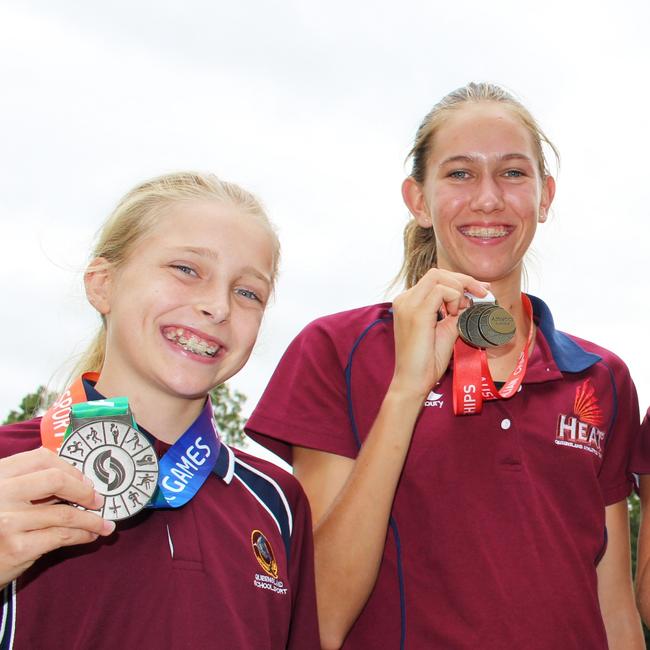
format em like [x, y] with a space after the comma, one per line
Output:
[581, 430]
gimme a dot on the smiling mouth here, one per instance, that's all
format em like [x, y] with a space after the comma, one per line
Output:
[190, 342]
[486, 232]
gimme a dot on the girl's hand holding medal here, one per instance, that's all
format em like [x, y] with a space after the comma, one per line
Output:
[36, 488]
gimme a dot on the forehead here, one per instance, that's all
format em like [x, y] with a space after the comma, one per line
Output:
[483, 128]
[212, 220]
[213, 225]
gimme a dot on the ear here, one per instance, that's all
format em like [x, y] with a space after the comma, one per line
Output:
[98, 280]
[413, 196]
[548, 192]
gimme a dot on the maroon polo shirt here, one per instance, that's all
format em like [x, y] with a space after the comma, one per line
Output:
[498, 521]
[182, 578]
[640, 463]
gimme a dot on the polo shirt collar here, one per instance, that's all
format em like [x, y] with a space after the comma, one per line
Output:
[224, 468]
[568, 355]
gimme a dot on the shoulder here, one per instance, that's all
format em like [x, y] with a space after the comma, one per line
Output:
[20, 436]
[266, 477]
[607, 357]
[571, 353]
[348, 324]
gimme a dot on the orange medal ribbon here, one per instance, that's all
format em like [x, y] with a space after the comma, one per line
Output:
[56, 420]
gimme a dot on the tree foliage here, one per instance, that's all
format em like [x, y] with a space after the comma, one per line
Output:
[31, 405]
[227, 405]
[634, 509]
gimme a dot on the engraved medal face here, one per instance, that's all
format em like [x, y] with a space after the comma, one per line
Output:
[468, 326]
[486, 325]
[120, 462]
[497, 326]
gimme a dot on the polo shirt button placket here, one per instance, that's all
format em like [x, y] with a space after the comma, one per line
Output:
[509, 457]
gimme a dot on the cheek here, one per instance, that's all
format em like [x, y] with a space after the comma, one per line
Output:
[446, 203]
[525, 201]
[248, 328]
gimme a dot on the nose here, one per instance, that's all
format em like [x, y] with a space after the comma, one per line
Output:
[215, 305]
[488, 195]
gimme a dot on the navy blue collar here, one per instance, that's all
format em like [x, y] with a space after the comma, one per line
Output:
[225, 465]
[567, 354]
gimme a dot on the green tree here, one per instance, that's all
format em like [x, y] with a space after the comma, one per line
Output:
[227, 407]
[634, 508]
[31, 405]
[227, 411]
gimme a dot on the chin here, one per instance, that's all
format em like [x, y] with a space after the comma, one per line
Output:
[186, 387]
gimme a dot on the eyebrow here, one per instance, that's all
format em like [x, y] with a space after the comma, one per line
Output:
[472, 159]
[202, 251]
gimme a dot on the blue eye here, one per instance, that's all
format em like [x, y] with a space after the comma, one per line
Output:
[184, 269]
[513, 173]
[250, 295]
[460, 174]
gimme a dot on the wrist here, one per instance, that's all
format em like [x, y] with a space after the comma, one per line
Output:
[403, 393]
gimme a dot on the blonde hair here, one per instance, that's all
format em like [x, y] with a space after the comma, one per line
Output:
[137, 213]
[419, 242]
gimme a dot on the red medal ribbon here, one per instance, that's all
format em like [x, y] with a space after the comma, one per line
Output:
[472, 379]
[57, 418]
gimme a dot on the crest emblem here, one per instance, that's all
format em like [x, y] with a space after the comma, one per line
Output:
[264, 553]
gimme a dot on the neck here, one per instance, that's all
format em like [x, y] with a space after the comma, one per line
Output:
[502, 360]
[165, 416]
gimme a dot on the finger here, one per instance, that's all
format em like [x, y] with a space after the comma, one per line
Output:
[33, 461]
[461, 281]
[26, 548]
[51, 482]
[56, 516]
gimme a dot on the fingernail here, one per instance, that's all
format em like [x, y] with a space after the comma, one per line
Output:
[109, 527]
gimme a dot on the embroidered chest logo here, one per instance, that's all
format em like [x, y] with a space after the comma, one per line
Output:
[434, 399]
[581, 430]
[264, 554]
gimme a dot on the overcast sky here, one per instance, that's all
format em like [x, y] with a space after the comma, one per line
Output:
[312, 106]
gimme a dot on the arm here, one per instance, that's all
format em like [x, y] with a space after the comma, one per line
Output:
[33, 521]
[643, 553]
[351, 500]
[615, 591]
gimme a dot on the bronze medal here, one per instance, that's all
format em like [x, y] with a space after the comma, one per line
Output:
[497, 326]
[484, 324]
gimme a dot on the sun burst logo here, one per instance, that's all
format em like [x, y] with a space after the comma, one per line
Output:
[582, 430]
[586, 406]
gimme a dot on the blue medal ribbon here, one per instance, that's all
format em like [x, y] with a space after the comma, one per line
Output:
[188, 462]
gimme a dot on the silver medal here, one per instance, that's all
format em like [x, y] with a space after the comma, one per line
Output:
[120, 462]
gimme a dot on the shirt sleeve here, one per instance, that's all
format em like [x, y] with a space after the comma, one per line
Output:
[640, 461]
[615, 476]
[305, 402]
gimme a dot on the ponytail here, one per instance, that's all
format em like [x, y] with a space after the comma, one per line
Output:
[420, 253]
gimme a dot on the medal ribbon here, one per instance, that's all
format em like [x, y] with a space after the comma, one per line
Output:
[183, 468]
[473, 382]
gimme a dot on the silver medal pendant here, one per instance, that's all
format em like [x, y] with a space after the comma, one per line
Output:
[484, 324]
[120, 462]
